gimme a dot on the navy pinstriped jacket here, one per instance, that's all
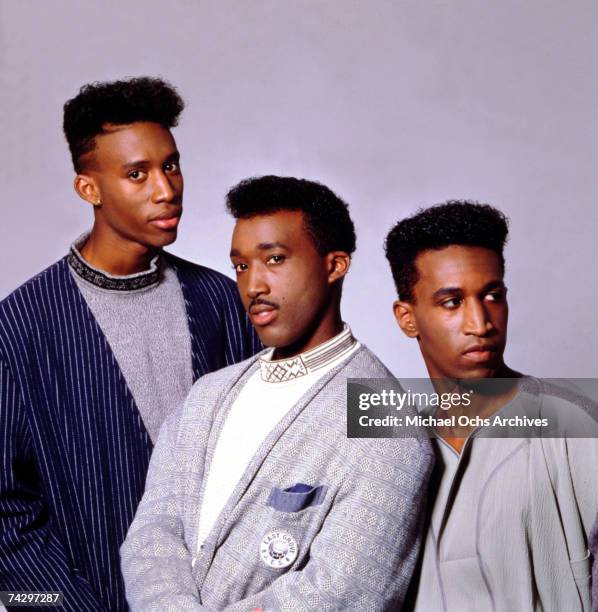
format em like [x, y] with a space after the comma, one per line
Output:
[73, 449]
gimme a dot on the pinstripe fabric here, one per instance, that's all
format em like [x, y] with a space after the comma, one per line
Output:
[74, 449]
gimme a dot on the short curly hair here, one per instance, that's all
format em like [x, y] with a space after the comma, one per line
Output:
[327, 219]
[118, 103]
[456, 222]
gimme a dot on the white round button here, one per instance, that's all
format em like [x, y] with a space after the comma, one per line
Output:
[278, 549]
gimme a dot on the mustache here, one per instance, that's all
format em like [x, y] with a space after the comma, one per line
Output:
[261, 301]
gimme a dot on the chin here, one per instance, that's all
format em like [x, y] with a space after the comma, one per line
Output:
[478, 373]
[271, 339]
[162, 241]
[276, 338]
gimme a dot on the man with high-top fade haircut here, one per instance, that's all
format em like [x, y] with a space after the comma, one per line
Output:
[255, 496]
[99, 348]
[510, 517]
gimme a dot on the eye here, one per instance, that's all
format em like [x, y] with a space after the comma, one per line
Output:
[136, 175]
[275, 259]
[495, 296]
[452, 303]
[173, 167]
[240, 267]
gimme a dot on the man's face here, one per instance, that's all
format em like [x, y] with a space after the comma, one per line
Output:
[137, 178]
[459, 314]
[282, 280]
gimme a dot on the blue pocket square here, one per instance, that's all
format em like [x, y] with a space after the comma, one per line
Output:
[296, 498]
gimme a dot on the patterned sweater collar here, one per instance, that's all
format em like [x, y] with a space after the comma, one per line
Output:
[283, 370]
[103, 280]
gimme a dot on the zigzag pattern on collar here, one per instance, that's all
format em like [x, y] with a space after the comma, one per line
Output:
[282, 370]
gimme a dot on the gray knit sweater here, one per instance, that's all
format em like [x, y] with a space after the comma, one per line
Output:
[147, 331]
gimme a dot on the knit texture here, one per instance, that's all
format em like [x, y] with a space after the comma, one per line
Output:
[356, 548]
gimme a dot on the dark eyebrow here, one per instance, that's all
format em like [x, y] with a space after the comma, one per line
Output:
[135, 164]
[142, 163]
[266, 246]
[174, 156]
[452, 291]
[446, 291]
[262, 246]
[497, 284]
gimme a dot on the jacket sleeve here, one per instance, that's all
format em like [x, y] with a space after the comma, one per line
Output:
[32, 557]
[365, 554]
[571, 464]
[155, 561]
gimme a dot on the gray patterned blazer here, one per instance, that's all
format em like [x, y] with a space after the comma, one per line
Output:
[355, 518]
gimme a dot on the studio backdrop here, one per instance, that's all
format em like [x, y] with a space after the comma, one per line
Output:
[393, 104]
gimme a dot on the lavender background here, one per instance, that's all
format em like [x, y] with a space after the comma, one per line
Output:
[393, 104]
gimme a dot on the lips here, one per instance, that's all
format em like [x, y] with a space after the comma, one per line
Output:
[166, 222]
[480, 353]
[262, 314]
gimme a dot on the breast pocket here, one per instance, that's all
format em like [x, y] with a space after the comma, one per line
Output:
[292, 518]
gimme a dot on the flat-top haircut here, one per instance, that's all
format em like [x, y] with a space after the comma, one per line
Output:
[457, 222]
[327, 218]
[100, 104]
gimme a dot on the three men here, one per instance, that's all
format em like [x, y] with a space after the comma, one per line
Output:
[255, 496]
[509, 518]
[96, 350]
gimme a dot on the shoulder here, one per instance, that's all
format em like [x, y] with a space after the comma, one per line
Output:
[567, 392]
[32, 302]
[572, 415]
[571, 408]
[189, 271]
[212, 384]
[364, 364]
[48, 277]
[207, 289]
[28, 308]
[196, 416]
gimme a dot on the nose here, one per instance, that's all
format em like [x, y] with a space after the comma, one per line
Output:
[164, 190]
[476, 319]
[256, 284]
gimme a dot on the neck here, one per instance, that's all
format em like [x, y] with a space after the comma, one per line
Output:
[489, 396]
[103, 251]
[331, 325]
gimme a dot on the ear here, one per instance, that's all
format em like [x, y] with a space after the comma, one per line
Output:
[405, 317]
[338, 264]
[87, 189]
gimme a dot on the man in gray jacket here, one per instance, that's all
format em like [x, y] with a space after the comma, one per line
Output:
[255, 497]
[509, 517]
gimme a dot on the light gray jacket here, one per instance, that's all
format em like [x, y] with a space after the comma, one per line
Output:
[357, 529]
[510, 518]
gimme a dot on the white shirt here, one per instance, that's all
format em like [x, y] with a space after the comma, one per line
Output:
[258, 408]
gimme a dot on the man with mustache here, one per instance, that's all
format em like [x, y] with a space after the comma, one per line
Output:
[96, 350]
[509, 518]
[255, 496]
